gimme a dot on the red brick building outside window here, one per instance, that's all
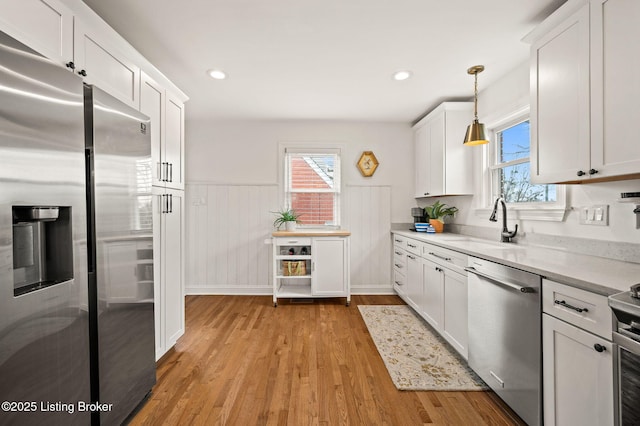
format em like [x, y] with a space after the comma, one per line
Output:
[312, 188]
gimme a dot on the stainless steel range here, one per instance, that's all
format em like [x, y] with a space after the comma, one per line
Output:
[626, 336]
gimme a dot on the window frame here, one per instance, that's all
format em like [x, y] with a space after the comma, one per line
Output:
[542, 210]
[312, 149]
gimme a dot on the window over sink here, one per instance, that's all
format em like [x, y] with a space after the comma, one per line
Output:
[507, 165]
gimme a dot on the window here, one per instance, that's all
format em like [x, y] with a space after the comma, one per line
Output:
[312, 185]
[510, 175]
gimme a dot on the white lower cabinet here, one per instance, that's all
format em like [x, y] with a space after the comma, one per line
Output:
[578, 376]
[168, 224]
[306, 267]
[455, 328]
[434, 284]
[414, 287]
[433, 290]
[329, 267]
[577, 357]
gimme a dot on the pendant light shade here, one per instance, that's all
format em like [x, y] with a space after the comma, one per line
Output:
[476, 134]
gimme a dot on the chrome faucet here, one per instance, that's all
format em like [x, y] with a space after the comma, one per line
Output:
[506, 235]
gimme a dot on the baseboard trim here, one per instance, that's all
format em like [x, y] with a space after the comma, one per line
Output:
[268, 291]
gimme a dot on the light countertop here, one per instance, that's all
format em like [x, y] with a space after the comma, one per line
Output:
[312, 233]
[596, 274]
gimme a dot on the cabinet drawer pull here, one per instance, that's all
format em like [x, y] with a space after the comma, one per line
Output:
[398, 241]
[398, 253]
[439, 269]
[412, 246]
[599, 348]
[448, 259]
[397, 265]
[566, 305]
[411, 257]
[398, 282]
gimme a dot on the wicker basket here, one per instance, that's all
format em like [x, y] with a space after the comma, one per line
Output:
[293, 268]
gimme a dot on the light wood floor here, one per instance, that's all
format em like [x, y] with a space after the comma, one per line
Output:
[244, 362]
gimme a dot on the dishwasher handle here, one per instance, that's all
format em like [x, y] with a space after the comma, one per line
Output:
[504, 283]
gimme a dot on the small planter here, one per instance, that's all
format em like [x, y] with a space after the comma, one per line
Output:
[437, 225]
[290, 226]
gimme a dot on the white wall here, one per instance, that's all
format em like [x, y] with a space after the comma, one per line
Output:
[232, 185]
[507, 95]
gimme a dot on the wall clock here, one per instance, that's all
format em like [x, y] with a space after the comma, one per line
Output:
[367, 164]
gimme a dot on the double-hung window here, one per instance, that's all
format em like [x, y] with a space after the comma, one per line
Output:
[510, 177]
[312, 185]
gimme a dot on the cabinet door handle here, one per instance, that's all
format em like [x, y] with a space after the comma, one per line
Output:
[426, 193]
[162, 204]
[566, 305]
[593, 171]
[170, 203]
[599, 348]
[581, 173]
[170, 165]
[448, 259]
[82, 73]
[71, 65]
[439, 269]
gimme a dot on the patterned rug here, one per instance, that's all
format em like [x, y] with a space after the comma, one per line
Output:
[415, 356]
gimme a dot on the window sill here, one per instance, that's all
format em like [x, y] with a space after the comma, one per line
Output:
[549, 214]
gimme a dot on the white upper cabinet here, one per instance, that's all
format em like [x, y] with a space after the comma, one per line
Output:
[174, 146]
[443, 164]
[44, 25]
[560, 138]
[584, 87]
[615, 87]
[103, 65]
[152, 101]
[167, 132]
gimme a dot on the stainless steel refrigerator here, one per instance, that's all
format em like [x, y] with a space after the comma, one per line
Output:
[120, 235]
[76, 257]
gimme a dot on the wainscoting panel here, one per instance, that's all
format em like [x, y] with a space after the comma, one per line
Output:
[368, 217]
[226, 229]
[227, 226]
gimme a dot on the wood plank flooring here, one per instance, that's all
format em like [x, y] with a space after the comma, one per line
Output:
[244, 362]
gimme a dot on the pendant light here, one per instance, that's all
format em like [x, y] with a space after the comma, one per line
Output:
[476, 134]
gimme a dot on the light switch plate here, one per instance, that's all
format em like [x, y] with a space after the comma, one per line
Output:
[597, 214]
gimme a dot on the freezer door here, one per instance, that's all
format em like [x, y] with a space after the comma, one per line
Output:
[121, 158]
[44, 333]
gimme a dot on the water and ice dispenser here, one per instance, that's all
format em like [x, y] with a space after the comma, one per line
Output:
[42, 247]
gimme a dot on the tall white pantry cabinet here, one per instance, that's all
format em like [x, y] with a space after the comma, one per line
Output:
[76, 38]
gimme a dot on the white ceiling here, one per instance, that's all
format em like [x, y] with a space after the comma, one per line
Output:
[325, 59]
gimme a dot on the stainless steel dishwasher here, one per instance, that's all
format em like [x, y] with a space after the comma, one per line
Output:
[505, 325]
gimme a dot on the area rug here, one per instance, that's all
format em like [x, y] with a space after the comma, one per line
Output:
[415, 356]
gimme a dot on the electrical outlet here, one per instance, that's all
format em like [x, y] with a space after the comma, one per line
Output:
[597, 214]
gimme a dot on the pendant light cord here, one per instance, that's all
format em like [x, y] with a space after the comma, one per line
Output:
[475, 97]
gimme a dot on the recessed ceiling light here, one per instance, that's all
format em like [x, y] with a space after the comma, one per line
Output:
[401, 75]
[217, 74]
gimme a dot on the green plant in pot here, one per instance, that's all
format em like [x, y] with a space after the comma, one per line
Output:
[437, 212]
[286, 217]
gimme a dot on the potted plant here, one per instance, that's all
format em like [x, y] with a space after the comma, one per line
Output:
[437, 212]
[286, 217]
